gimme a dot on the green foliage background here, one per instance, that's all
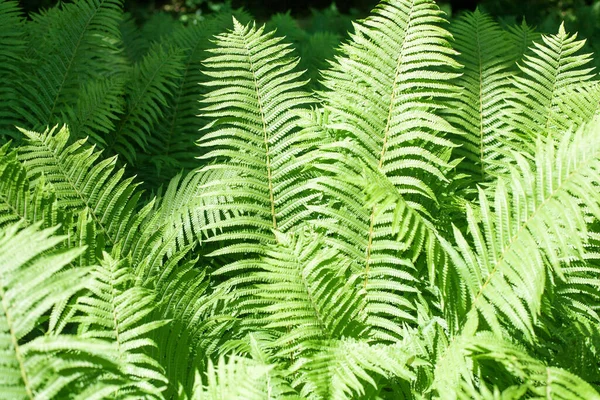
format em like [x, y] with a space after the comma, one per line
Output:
[404, 206]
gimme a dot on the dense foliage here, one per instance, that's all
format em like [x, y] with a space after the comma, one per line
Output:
[420, 219]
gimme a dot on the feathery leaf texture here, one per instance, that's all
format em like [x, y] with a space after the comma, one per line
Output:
[414, 216]
[254, 92]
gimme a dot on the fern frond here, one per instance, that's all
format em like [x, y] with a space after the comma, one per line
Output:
[349, 368]
[308, 292]
[81, 180]
[151, 82]
[487, 66]
[12, 52]
[384, 92]
[172, 147]
[239, 378]
[474, 361]
[252, 101]
[552, 68]
[540, 379]
[521, 36]
[18, 202]
[117, 310]
[537, 224]
[96, 113]
[73, 40]
[32, 280]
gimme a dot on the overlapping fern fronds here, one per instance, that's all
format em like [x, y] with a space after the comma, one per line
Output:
[117, 310]
[383, 93]
[77, 43]
[537, 226]
[424, 226]
[32, 281]
[551, 72]
[81, 179]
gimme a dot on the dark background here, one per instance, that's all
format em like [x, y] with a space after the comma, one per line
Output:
[264, 8]
[579, 15]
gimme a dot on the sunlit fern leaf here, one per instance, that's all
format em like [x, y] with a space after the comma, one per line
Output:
[117, 310]
[530, 227]
[74, 38]
[348, 368]
[150, 83]
[383, 86]
[81, 180]
[182, 207]
[252, 98]
[382, 93]
[487, 67]
[552, 68]
[13, 45]
[32, 280]
[20, 203]
[303, 290]
[239, 378]
[541, 380]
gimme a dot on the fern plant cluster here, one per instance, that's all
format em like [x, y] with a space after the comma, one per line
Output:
[184, 214]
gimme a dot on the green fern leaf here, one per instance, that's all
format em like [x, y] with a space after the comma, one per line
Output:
[150, 84]
[32, 281]
[12, 52]
[252, 101]
[551, 70]
[537, 224]
[81, 180]
[72, 40]
[487, 64]
[116, 310]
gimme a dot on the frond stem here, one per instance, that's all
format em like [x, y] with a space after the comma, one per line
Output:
[265, 133]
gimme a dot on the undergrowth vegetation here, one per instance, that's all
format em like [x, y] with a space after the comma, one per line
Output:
[228, 211]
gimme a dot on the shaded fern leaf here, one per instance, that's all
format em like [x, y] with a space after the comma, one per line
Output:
[12, 52]
[172, 147]
[303, 290]
[97, 110]
[151, 82]
[81, 45]
[521, 36]
[541, 379]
